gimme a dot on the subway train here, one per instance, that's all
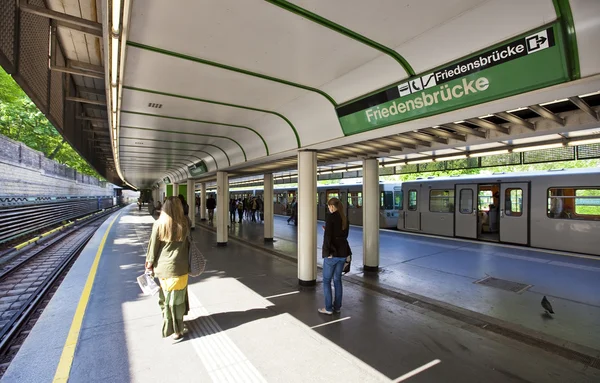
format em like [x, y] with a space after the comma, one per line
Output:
[350, 195]
[555, 209]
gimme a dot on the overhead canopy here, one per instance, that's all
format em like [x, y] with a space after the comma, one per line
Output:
[233, 84]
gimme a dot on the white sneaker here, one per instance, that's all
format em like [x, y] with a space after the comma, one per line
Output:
[324, 311]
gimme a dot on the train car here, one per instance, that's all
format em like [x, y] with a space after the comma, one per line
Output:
[556, 209]
[349, 194]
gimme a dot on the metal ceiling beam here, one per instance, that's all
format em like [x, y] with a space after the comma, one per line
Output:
[515, 120]
[426, 137]
[392, 144]
[79, 72]
[488, 125]
[85, 66]
[444, 134]
[92, 119]
[464, 130]
[408, 140]
[386, 146]
[83, 89]
[85, 100]
[545, 113]
[361, 152]
[65, 19]
[100, 132]
[581, 104]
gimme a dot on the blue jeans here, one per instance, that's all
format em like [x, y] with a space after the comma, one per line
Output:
[332, 268]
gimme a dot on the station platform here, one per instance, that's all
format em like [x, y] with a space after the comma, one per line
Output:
[250, 322]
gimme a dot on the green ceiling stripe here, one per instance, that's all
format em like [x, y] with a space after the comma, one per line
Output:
[231, 68]
[179, 142]
[127, 153]
[344, 31]
[204, 122]
[219, 103]
[195, 134]
[565, 17]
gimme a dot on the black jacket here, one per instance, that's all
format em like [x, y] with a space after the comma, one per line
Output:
[335, 240]
[211, 203]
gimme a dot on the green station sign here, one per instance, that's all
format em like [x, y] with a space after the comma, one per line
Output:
[198, 168]
[533, 61]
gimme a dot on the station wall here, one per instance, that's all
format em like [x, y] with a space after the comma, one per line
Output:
[27, 172]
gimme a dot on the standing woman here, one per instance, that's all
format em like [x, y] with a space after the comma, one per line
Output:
[168, 257]
[335, 250]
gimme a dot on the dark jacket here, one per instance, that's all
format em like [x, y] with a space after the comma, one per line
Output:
[211, 203]
[335, 240]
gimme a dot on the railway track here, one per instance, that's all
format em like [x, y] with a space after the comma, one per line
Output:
[28, 280]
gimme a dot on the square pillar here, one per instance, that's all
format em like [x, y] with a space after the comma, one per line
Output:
[203, 198]
[307, 218]
[175, 189]
[268, 207]
[191, 200]
[222, 212]
[371, 214]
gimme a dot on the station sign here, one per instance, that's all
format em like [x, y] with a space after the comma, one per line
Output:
[167, 180]
[198, 168]
[533, 61]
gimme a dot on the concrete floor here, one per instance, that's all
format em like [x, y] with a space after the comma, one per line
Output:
[251, 322]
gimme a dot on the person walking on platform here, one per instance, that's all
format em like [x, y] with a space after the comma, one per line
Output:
[167, 258]
[186, 207]
[211, 204]
[232, 210]
[335, 251]
[240, 209]
[294, 213]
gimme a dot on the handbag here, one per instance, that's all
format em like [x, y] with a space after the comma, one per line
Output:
[197, 262]
[347, 263]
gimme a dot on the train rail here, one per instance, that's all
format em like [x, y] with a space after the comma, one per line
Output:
[28, 279]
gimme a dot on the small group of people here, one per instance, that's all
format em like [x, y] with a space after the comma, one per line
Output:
[167, 259]
[252, 208]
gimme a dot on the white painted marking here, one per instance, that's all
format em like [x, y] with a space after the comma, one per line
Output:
[223, 360]
[282, 295]
[417, 371]
[333, 321]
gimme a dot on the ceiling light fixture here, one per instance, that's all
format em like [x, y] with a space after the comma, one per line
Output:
[537, 147]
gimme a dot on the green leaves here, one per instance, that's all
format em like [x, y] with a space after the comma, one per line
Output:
[22, 121]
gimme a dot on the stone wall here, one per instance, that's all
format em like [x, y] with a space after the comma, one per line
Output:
[27, 172]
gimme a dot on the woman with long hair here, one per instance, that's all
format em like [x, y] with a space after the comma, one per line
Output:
[167, 257]
[335, 251]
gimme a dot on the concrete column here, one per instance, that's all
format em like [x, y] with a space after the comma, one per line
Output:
[268, 203]
[175, 189]
[191, 200]
[222, 208]
[203, 198]
[307, 218]
[371, 214]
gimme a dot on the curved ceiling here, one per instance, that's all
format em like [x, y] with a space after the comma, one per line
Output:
[227, 82]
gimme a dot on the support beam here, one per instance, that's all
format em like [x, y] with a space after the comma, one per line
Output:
[307, 216]
[581, 104]
[222, 208]
[85, 100]
[426, 137]
[515, 120]
[370, 214]
[545, 113]
[488, 125]
[58, 16]
[191, 201]
[445, 134]
[465, 130]
[79, 72]
[93, 119]
[386, 146]
[83, 89]
[408, 142]
[269, 226]
[85, 66]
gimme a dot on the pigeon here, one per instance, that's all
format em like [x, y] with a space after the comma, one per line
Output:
[546, 305]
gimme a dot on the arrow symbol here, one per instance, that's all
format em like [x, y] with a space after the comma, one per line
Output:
[541, 40]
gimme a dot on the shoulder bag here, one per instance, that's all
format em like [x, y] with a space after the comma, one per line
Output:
[196, 259]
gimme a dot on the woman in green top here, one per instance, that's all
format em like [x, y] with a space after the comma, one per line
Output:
[167, 257]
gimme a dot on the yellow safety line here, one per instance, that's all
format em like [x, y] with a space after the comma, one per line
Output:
[63, 370]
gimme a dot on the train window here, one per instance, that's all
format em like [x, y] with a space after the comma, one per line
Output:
[412, 200]
[398, 195]
[386, 200]
[513, 202]
[441, 201]
[354, 199]
[333, 193]
[466, 201]
[574, 203]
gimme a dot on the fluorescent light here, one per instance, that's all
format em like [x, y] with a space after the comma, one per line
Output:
[115, 134]
[493, 153]
[114, 60]
[339, 170]
[419, 161]
[451, 158]
[116, 16]
[584, 142]
[114, 98]
[538, 147]
[390, 165]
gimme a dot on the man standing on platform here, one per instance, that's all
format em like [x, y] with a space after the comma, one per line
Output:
[211, 204]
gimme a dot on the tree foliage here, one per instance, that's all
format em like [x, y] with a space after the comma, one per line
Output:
[22, 121]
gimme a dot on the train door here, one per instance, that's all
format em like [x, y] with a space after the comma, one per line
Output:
[399, 206]
[412, 216]
[514, 217]
[465, 217]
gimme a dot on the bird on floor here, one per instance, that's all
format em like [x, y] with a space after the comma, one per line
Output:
[546, 305]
